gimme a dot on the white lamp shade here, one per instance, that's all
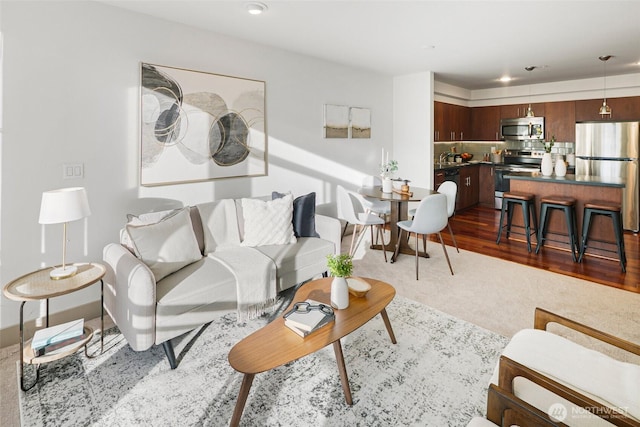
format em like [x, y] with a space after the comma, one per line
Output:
[64, 205]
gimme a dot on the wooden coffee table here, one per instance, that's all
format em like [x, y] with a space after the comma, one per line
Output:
[275, 345]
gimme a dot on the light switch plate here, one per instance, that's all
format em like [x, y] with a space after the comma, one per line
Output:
[72, 171]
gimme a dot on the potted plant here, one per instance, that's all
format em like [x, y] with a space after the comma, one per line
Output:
[387, 170]
[546, 167]
[340, 267]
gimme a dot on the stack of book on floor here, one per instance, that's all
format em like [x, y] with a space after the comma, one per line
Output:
[47, 340]
[304, 323]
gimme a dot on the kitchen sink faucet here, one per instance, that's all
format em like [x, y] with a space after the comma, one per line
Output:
[443, 155]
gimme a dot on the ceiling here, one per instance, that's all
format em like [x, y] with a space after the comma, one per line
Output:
[469, 44]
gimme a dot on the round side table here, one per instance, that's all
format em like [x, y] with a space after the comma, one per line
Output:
[36, 286]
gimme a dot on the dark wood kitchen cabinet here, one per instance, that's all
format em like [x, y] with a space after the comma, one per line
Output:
[520, 110]
[627, 108]
[468, 188]
[485, 123]
[559, 121]
[451, 122]
[486, 192]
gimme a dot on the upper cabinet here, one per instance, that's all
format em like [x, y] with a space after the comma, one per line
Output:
[451, 122]
[559, 121]
[627, 108]
[485, 123]
[520, 110]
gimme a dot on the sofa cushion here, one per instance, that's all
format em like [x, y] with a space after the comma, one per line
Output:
[268, 222]
[219, 224]
[304, 214]
[192, 296]
[168, 245]
[305, 252]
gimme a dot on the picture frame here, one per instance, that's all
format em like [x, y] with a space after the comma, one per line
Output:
[199, 126]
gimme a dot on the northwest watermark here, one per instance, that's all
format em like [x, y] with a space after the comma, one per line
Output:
[559, 412]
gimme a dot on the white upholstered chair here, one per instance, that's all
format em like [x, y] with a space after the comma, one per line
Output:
[449, 189]
[430, 218]
[350, 209]
[381, 208]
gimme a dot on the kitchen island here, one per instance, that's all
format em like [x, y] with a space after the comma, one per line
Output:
[580, 187]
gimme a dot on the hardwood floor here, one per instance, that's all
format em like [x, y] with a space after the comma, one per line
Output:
[476, 230]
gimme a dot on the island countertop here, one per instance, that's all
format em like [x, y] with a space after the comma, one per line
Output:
[567, 179]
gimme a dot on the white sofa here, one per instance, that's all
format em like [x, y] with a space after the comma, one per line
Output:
[169, 275]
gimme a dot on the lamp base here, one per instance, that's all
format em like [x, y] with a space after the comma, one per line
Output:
[63, 272]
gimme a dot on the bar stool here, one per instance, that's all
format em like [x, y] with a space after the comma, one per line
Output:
[527, 202]
[613, 211]
[566, 204]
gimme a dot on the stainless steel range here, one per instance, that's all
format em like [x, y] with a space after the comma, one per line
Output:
[514, 161]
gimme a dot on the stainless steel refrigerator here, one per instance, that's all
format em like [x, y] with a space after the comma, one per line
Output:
[610, 150]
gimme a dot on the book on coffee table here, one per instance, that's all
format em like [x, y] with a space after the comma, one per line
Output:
[304, 323]
[305, 333]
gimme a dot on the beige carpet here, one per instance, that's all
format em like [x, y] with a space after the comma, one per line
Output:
[501, 295]
[495, 294]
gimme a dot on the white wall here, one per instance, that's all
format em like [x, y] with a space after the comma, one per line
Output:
[71, 89]
[412, 130]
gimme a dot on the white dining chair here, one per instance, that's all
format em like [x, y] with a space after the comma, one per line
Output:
[350, 209]
[449, 189]
[382, 208]
[430, 218]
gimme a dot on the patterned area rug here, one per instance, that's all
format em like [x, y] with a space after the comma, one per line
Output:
[436, 375]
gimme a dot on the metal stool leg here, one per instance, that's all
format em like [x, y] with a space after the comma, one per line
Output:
[542, 227]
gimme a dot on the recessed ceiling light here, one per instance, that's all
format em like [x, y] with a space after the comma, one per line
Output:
[505, 79]
[256, 8]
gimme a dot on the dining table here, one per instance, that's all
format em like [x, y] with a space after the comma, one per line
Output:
[399, 212]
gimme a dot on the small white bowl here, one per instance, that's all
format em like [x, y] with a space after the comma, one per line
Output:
[358, 287]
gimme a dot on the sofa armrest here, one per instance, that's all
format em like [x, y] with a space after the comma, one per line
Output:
[543, 318]
[130, 296]
[328, 228]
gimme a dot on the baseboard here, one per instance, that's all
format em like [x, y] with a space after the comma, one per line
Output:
[11, 335]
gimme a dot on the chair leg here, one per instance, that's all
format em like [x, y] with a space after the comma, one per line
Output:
[384, 251]
[353, 237]
[417, 249]
[446, 255]
[500, 226]
[344, 231]
[360, 236]
[452, 237]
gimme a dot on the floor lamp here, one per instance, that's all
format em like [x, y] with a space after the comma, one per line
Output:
[63, 206]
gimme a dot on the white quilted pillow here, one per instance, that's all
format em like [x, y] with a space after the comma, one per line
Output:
[268, 222]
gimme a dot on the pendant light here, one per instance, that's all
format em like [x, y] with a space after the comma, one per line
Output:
[605, 110]
[529, 110]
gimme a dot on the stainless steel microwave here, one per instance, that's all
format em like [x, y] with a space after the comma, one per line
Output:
[520, 129]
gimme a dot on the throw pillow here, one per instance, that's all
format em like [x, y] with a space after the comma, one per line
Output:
[304, 214]
[166, 246]
[268, 222]
[142, 219]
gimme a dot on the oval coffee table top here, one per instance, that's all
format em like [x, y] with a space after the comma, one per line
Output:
[275, 344]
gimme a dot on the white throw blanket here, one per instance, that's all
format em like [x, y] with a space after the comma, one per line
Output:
[255, 279]
[255, 272]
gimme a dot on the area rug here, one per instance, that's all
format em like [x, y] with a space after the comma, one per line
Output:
[436, 375]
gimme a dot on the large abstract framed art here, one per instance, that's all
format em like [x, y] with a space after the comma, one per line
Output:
[198, 126]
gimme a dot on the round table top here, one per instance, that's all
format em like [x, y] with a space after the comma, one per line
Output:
[37, 285]
[417, 194]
